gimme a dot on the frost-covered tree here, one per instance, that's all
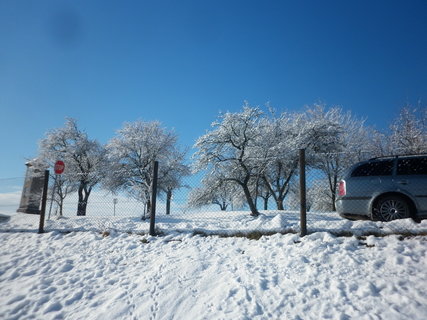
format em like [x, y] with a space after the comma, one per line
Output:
[229, 150]
[281, 137]
[340, 141]
[84, 158]
[317, 196]
[215, 190]
[260, 153]
[131, 154]
[261, 191]
[379, 143]
[409, 131]
[173, 170]
[293, 198]
[278, 142]
[62, 186]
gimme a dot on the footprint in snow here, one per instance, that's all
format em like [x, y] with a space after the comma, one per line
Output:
[66, 267]
[56, 306]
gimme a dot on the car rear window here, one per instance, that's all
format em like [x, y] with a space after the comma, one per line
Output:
[374, 168]
[412, 166]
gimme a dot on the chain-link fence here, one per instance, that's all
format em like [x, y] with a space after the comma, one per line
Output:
[203, 206]
[104, 211]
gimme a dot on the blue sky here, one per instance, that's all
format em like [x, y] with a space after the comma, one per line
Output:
[181, 62]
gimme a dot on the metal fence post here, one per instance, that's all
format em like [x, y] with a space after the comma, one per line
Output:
[303, 196]
[153, 198]
[44, 200]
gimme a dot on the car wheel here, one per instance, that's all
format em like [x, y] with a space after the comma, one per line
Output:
[392, 208]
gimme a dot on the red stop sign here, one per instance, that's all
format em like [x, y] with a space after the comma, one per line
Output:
[59, 167]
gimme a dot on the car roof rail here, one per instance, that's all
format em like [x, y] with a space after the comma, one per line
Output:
[400, 155]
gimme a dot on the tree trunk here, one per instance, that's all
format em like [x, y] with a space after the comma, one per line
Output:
[333, 202]
[61, 205]
[265, 203]
[81, 208]
[147, 209]
[83, 198]
[223, 206]
[252, 207]
[168, 202]
[279, 203]
[333, 182]
[144, 212]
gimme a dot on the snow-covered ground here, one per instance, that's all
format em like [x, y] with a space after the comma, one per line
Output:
[219, 223]
[117, 275]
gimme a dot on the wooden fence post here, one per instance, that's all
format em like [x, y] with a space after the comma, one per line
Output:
[44, 200]
[303, 196]
[153, 199]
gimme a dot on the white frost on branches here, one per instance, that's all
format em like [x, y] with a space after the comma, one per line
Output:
[131, 154]
[259, 152]
[83, 158]
[230, 150]
[409, 131]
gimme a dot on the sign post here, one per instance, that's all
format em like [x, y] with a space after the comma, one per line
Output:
[115, 200]
[58, 168]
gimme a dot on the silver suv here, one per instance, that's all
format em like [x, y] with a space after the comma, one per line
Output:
[385, 189]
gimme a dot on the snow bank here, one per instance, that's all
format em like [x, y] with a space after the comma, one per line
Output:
[85, 275]
[219, 222]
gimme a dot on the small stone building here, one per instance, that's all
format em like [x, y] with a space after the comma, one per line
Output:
[33, 187]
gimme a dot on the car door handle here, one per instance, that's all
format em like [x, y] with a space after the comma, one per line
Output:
[402, 181]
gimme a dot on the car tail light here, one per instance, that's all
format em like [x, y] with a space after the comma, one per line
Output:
[341, 188]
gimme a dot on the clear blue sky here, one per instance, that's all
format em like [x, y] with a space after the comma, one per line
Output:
[181, 62]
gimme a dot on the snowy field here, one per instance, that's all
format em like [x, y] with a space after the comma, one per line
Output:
[116, 275]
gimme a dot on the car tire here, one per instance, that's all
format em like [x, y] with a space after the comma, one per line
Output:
[391, 208]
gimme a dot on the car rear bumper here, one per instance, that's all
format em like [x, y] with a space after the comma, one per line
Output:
[353, 216]
[353, 208]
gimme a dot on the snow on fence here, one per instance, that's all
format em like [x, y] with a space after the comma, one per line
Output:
[185, 211]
